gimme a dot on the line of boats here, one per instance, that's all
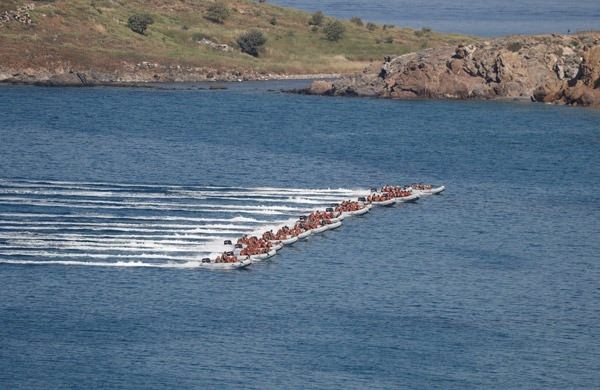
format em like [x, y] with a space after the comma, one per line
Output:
[251, 249]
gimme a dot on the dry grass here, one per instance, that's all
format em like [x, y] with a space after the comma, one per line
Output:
[94, 34]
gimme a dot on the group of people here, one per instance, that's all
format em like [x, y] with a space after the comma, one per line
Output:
[252, 245]
[349, 205]
[379, 197]
[421, 187]
[226, 257]
[396, 191]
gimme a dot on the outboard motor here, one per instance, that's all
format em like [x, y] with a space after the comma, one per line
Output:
[205, 260]
[303, 218]
[362, 199]
[227, 242]
[374, 190]
[229, 253]
[238, 249]
[329, 209]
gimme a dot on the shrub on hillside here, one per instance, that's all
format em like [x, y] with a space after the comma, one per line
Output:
[217, 13]
[198, 36]
[334, 31]
[515, 46]
[251, 42]
[423, 32]
[371, 26]
[356, 20]
[316, 19]
[139, 23]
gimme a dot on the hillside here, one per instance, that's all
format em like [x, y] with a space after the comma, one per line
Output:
[89, 41]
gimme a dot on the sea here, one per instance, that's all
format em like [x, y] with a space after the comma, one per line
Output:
[474, 17]
[109, 198]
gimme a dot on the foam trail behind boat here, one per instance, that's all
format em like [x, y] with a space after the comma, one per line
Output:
[140, 225]
[185, 265]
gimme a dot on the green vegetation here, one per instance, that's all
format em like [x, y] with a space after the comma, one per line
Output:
[217, 13]
[198, 36]
[316, 19]
[516, 46]
[251, 42]
[425, 31]
[371, 26]
[105, 41]
[334, 31]
[139, 23]
[356, 20]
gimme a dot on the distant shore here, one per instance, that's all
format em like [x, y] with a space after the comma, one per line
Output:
[91, 79]
[83, 43]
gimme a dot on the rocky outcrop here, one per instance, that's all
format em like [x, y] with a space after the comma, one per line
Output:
[549, 68]
[20, 15]
[215, 45]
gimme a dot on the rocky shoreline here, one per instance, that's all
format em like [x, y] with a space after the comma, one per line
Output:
[560, 69]
[140, 74]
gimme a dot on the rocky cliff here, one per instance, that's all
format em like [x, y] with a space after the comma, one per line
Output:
[550, 68]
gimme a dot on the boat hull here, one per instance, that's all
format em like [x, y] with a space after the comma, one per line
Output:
[304, 235]
[433, 191]
[334, 225]
[320, 229]
[356, 213]
[289, 241]
[227, 266]
[407, 199]
[389, 202]
[263, 256]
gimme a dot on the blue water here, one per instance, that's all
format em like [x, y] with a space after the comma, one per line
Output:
[483, 18]
[493, 284]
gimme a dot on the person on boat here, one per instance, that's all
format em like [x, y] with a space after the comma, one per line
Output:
[268, 236]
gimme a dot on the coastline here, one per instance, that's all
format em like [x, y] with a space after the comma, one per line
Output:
[552, 68]
[91, 79]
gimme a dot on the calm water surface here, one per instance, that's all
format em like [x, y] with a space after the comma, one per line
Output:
[483, 18]
[493, 284]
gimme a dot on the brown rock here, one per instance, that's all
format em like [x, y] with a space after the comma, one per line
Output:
[541, 68]
[321, 87]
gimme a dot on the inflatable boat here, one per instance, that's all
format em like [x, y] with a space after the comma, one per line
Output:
[334, 225]
[277, 246]
[433, 191]
[407, 199]
[241, 263]
[339, 217]
[304, 235]
[320, 229]
[356, 213]
[263, 256]
[287, 241]
[324, 228]
[389, 202]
